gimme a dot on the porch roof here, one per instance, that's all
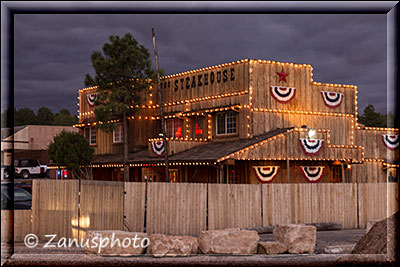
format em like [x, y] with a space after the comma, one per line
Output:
[207, 152]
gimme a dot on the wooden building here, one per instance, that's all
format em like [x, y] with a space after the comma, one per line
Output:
[248, 121]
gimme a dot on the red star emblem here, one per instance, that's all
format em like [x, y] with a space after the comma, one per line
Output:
[282, 75]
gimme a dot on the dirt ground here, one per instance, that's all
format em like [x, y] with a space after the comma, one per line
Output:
[24, 256]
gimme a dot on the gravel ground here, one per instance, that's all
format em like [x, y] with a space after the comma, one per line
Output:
[24, 256]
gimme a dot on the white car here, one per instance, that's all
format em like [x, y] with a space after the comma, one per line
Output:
[28, 168]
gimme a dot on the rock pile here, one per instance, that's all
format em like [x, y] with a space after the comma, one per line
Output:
[292, 238]
[377, 239]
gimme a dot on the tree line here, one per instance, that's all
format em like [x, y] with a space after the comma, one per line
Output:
[371, 118]
[44, 116]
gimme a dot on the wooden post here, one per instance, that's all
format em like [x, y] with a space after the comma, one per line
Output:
[162, 109]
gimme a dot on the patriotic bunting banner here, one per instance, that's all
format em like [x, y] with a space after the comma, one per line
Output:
[91, 98]
[391, 141]
[283, 94]
[158, 148]
[312, 173]
[311, 146]
[265, 174]
[332, 99]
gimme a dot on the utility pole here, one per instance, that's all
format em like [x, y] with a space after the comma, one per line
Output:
[162, 109]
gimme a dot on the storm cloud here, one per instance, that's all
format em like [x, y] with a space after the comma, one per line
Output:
[52, 51]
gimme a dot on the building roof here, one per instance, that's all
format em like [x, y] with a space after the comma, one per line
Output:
[207, 152]
[6, 132]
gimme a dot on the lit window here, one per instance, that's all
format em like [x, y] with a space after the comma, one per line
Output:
[174, 128]
[198, 126]
[90, 135]
[117, 134]
[226, 123]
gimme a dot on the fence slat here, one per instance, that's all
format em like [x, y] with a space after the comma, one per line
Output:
[171, 207]
[134, 205]
[234, 205]
[54, 208]
[101, 206]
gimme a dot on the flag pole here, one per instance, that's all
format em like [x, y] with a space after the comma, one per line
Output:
[162, 109]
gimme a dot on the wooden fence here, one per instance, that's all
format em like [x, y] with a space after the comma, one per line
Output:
[176, 209]
[55, 208]
[188, 208]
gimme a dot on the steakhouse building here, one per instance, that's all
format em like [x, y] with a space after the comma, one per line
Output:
[249, 121]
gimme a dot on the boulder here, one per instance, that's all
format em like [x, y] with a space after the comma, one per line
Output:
[126, 245]
[229, 241]
[271, 247]
[165, 245]
[299, 238]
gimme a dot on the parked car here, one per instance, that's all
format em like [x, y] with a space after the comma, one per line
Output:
[22, 198]
[5, 172]
[24, 185]
[28, 168]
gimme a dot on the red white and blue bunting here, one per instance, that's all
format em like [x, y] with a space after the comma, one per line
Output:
[311, 146]
[265, 174]
[158, 148]
[91, 98]
[390, 141]
[283, 94]
[312, 174]
[332, 99]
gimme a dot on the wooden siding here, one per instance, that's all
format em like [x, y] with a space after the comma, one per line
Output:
[308, 95]
[141, 128]
[295, 175]
[176, 209]
[340, 127]
[176, 146]
[288, 146]
[216, 89]
[374, 148]
[368, 172]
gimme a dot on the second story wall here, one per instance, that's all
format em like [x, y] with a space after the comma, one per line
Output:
[285, 95]
[307, 94]
[218, 86]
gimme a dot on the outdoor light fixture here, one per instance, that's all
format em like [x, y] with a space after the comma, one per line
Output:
[311, 133]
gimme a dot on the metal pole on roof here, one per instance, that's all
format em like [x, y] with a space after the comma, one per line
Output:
[162, 108]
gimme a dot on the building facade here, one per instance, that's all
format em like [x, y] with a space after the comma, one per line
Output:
[249, 121]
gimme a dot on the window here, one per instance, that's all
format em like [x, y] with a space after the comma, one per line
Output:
[392, 175]
[226, 123]
[174, 128]
[90, 135]
[198, 126]
[117, 134]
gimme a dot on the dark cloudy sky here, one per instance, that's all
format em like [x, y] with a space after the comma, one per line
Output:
[52, 51]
